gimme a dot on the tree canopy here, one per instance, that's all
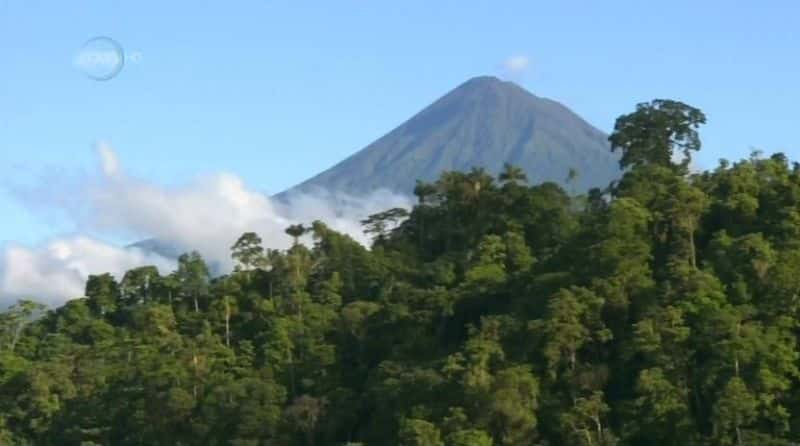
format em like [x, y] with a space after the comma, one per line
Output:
[662, 310]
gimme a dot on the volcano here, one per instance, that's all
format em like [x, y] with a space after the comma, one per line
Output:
[485, 122]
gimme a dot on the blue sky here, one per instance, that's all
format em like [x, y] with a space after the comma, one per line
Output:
[278, 91]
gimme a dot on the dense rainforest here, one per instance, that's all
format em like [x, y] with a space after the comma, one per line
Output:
[662, 310]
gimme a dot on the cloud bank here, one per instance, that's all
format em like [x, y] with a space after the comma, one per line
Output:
[207, 214]
[57, 271]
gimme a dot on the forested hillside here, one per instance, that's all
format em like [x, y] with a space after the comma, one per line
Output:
[661, 311]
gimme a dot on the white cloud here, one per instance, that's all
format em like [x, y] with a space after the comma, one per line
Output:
[516, 65]
[58, 270]
[208, 214]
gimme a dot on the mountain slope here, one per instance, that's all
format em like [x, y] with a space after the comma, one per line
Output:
[484, 122]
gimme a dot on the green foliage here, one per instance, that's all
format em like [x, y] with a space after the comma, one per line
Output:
[419, 433]
[662, 311]
[248, 252]
[657, 132]
[469, 437]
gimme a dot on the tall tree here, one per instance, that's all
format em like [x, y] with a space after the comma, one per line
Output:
[512, 174]
[248, 252]
[296, 231]
[103, 294]
[657, 133]
[194, 277]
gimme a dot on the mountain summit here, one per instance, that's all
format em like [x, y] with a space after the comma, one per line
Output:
[485, 122]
